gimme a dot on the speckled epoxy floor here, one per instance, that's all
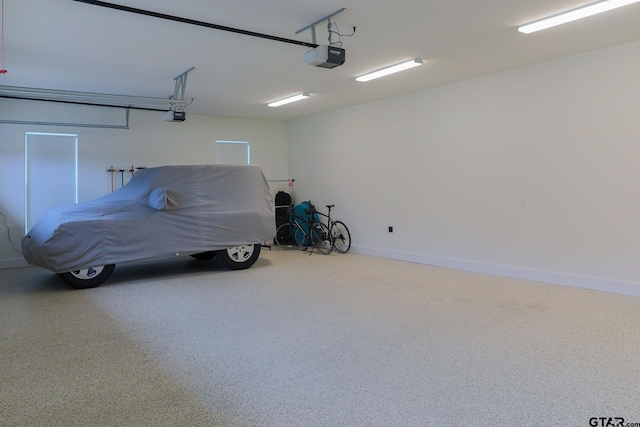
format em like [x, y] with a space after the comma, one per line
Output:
[301, 340]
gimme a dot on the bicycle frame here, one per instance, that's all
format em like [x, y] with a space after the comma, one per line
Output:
[305, 232]
[339, 232]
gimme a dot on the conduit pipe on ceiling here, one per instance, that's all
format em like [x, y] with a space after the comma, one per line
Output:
[194, 22]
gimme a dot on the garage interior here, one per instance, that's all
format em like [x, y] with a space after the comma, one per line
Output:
[505, 164]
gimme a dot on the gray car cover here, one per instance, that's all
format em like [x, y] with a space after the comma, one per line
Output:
[161, 212]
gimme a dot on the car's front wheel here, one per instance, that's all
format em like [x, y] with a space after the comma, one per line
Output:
[86, 278]
[239, 257]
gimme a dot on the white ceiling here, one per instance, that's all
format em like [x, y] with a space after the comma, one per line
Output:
[67, 45]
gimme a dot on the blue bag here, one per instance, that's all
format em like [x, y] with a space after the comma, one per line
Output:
[300, 210]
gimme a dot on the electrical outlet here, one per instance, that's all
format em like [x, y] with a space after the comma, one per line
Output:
[390, 229]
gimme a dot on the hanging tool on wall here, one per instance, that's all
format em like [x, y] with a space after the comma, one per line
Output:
[2, 69]
[121, 177]
[291, 181]
[112, 170]
[134, 169]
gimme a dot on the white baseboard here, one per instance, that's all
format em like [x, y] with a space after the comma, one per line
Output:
[13, 263]
[567, 279]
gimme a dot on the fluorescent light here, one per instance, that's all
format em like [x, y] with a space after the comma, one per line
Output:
[293, 98]
[575, 14]
[392, 69]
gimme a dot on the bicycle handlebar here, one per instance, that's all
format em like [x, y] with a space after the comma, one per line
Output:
[311, 210]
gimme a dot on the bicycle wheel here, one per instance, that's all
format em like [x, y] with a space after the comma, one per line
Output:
[341, 237]
[284, 237]
[300, 236]
[321, 238]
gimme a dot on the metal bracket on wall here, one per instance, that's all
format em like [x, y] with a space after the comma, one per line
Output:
[181, 85]
[319, 21]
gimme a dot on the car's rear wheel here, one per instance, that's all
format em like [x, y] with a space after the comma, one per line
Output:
[86, 278]
[239, 257]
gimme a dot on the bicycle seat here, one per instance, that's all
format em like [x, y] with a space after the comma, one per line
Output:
[329, 206]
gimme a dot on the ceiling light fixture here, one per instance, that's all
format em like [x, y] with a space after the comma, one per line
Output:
[392, 69]
[574, 15]
[293, 98]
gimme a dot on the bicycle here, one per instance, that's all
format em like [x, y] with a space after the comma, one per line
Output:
[304, 232]
[339, 232]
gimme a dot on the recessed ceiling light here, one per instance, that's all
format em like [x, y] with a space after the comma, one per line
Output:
[392, 69]
[293, 98]
[574, 15]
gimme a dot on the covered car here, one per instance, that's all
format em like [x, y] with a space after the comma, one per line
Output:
[203, 211]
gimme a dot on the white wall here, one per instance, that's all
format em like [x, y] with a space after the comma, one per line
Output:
[148, 142]
[449, 168]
